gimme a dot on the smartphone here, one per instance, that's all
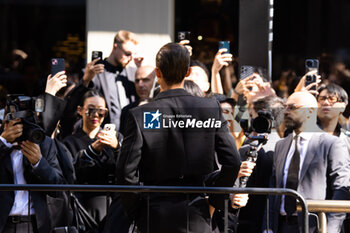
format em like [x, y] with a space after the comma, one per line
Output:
[96, 54]
[311, 64]
[57, 65]
[109, 127]
[246, 71]
[183, 35]
[224, 45]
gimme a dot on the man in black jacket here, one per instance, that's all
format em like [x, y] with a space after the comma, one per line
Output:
[172, 141]
[28, 164]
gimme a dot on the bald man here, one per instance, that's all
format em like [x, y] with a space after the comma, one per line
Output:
[310, 161]
[144, 81]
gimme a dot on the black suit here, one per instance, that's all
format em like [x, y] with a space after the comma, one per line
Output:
[47, 172]
[177, 156]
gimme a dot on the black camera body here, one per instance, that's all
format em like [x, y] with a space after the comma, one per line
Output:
[26, 108]
[263, 123]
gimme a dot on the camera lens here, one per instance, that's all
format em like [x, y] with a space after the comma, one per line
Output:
[309, 78]
[309, 64]
[36, 135]
[261, 125]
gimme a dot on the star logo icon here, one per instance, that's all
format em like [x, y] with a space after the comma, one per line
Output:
[156, 115]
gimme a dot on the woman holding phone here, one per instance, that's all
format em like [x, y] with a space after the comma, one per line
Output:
[94, 152]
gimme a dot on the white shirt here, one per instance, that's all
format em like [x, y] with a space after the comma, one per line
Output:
[303, 142]
[20, 205]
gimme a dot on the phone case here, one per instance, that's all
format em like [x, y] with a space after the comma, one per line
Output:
[183, 35]
[57, 65]
[96, 54]
[246, 71]
[224, 45]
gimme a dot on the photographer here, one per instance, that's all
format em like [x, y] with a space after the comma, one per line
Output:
[23, 161]
[266, 112]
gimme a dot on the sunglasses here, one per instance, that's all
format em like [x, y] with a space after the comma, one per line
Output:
[101, 112]
[126, 53]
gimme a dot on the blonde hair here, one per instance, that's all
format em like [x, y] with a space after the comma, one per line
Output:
[123, 36]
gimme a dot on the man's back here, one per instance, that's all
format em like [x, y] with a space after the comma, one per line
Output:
[183, 146]
[180, 154]
[171, 141]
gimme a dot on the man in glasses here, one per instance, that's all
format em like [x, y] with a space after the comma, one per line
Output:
[111, 78]
[332, 101]
[310, 161]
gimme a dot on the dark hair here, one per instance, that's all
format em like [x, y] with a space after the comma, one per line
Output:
[223, 99]
[89, 94]
[272, 104]
[192, 88]
[263, 73]
[173, 60]
[201, 65]
[335, 89]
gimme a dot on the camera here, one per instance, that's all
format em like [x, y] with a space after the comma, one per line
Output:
[261, 124]
[26, 108]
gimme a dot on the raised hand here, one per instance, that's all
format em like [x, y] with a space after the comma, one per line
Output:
[91, 69]
[55, 83]
[31, 151]
[12, 130]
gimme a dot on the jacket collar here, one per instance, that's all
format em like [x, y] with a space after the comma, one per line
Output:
[111, 68]
[172, 93]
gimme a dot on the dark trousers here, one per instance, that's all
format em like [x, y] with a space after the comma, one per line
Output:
[175, 214]
[288, 224]
[13, 226]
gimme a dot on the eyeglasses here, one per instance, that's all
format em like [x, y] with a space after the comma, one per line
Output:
[331, 98]
[291, 107]
[102, 112]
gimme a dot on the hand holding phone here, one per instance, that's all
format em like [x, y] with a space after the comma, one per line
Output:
[95, 55]
[311, 65]
[108, 136]
[246, 71]
[224, 45]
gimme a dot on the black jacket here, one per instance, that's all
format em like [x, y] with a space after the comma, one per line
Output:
[47, 172]
[177, 156]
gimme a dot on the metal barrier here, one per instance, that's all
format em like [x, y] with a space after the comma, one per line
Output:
[321, 207]
[168, 189]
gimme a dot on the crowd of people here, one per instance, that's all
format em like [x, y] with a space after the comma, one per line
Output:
[173, 124]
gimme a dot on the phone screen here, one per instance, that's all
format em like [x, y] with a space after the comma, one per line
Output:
[224, 45]
[57, 65]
